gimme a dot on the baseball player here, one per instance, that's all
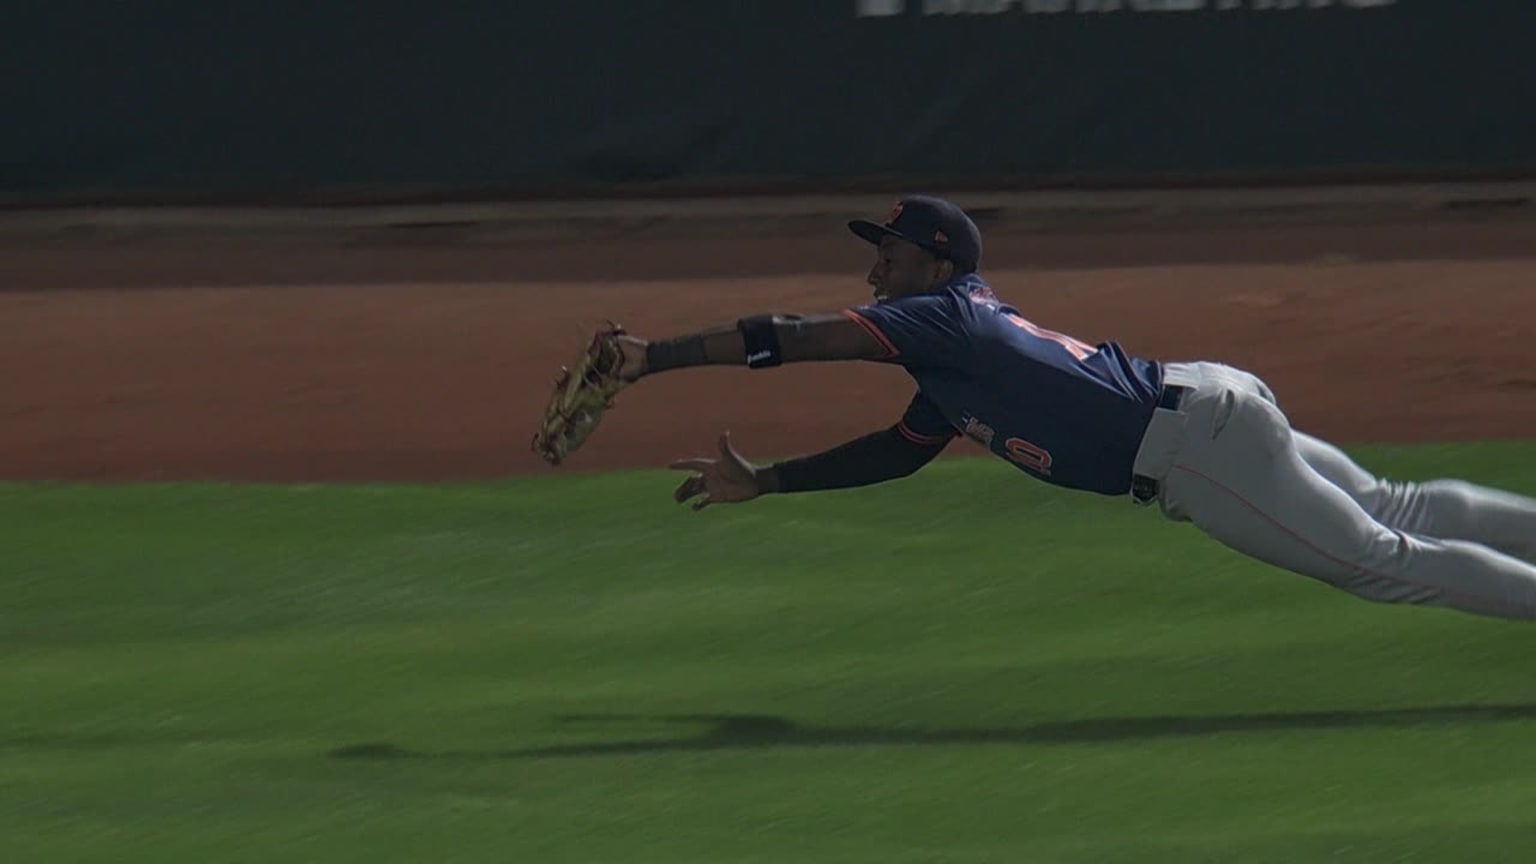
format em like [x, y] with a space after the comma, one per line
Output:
[1206, 442]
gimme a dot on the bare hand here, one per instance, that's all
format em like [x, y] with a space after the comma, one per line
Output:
[728, 479]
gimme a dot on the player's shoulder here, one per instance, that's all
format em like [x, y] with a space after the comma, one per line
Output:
[972, 297]
[949, 309]
[973, 289]
[958, 296]
[936, 304]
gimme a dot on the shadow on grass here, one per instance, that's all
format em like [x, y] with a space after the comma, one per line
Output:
[752, 732]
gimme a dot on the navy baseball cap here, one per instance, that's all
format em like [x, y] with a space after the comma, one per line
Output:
[937, 225]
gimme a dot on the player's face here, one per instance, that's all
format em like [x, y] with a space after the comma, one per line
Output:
[903, 268]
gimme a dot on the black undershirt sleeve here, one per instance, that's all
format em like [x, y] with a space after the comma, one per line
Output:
[874, 458]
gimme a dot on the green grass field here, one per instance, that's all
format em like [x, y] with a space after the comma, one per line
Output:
[965, 666]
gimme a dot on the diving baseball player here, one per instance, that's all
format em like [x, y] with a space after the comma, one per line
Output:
[1206, 442]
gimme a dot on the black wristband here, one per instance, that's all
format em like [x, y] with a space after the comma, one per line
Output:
[760, 338]
[674, 353]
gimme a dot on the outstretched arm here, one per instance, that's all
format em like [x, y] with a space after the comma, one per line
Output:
[875, 458]
[614, 360]
[759, 341]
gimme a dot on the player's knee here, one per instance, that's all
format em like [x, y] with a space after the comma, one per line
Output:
[1373, 494]
[1449, 496]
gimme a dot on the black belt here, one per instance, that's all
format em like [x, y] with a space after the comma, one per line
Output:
[1145, 489]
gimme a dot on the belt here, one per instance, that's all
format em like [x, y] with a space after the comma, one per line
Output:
[1145, 489]
[1172, 397]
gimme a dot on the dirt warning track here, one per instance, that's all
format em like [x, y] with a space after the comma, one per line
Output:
[377, 359]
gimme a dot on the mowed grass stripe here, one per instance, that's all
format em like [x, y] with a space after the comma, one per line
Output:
[962, 666]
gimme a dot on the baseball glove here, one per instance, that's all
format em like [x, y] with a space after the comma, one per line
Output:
[583, 392]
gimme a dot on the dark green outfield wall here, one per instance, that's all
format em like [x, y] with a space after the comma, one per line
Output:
[278, 97]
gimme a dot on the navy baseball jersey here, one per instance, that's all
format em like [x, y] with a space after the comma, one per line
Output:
[1064, 411]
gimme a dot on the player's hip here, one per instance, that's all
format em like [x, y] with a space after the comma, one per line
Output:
[1197, 402]
[1208, 375]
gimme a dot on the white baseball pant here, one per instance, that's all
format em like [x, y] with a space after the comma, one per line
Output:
[1227, 460]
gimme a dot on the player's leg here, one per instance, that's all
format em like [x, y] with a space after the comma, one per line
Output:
[1239, 478]
[1447, 509]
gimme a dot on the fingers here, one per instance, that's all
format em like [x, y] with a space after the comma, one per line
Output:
[697, 487]
[689, 488]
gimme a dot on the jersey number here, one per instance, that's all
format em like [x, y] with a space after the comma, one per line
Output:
[1028, 455]
[1078, 349]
